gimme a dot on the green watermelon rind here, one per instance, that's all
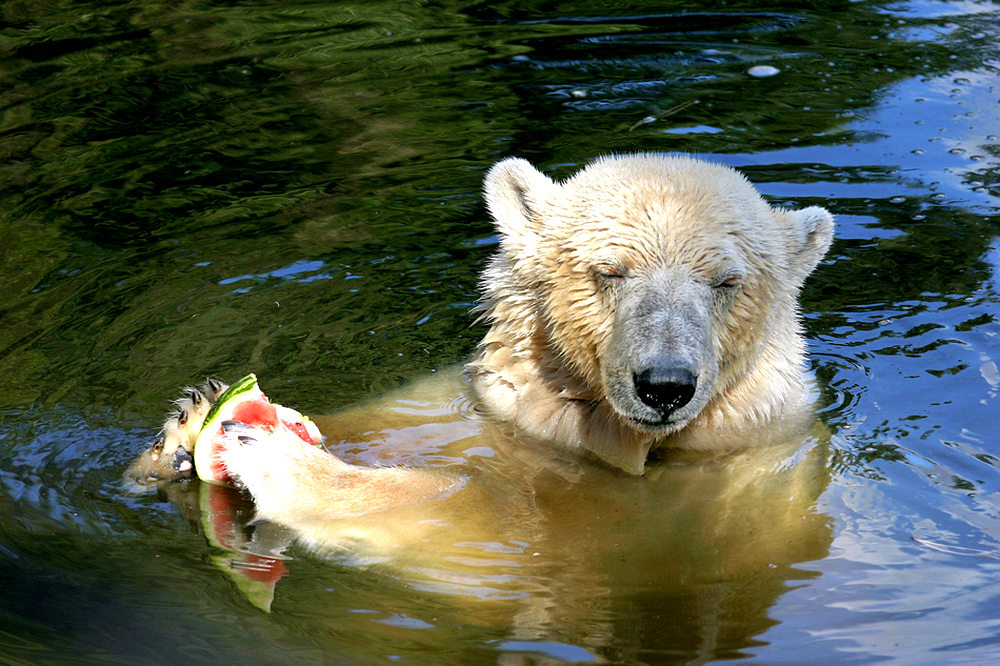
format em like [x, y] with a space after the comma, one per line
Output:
[248, 383]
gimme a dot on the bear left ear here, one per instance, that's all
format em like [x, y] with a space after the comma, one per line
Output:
[812, 233]
[513, 189]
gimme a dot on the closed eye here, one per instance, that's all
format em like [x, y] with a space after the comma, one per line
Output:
[607, 271]
[729, 281]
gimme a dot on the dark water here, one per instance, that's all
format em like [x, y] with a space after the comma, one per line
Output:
[292, 188]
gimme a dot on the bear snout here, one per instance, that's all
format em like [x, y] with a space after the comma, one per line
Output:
[665, 389]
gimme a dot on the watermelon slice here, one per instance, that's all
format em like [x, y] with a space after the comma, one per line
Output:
[246, 403]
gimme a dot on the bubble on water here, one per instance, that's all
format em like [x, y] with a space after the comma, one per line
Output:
[897, 199]
[918, 151]
[989, 372]
[762, 71]
[579, 93]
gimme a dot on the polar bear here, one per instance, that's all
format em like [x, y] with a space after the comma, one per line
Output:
[648, 300]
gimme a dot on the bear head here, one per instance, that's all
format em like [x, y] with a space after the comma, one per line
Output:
[650, 292]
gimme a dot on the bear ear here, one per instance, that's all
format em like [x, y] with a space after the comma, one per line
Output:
[513, 190]
[812, 233]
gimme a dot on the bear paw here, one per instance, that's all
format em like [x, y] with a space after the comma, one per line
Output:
[169, 457]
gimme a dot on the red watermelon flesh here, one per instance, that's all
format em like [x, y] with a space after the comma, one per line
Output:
[246, 403]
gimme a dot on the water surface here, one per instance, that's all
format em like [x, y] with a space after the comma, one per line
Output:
[292, 188]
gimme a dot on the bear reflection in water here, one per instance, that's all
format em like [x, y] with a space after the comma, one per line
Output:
[648, 303]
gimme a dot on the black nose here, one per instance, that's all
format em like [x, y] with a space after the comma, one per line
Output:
[665, 389]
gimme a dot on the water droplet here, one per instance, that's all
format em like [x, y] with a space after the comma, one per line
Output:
[957, 151]
[762, 71]
[897, 199]
[579, 93]
[918, 151]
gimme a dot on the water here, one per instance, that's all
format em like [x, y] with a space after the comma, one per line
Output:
[293, 189]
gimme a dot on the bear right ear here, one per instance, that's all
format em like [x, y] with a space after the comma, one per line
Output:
[513, 189]
[812, 236]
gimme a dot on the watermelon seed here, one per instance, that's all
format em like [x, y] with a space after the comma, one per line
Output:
[233, 426]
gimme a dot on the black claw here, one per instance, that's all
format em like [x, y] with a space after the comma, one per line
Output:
[182, 418]
[196, 397]
[215, 388]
